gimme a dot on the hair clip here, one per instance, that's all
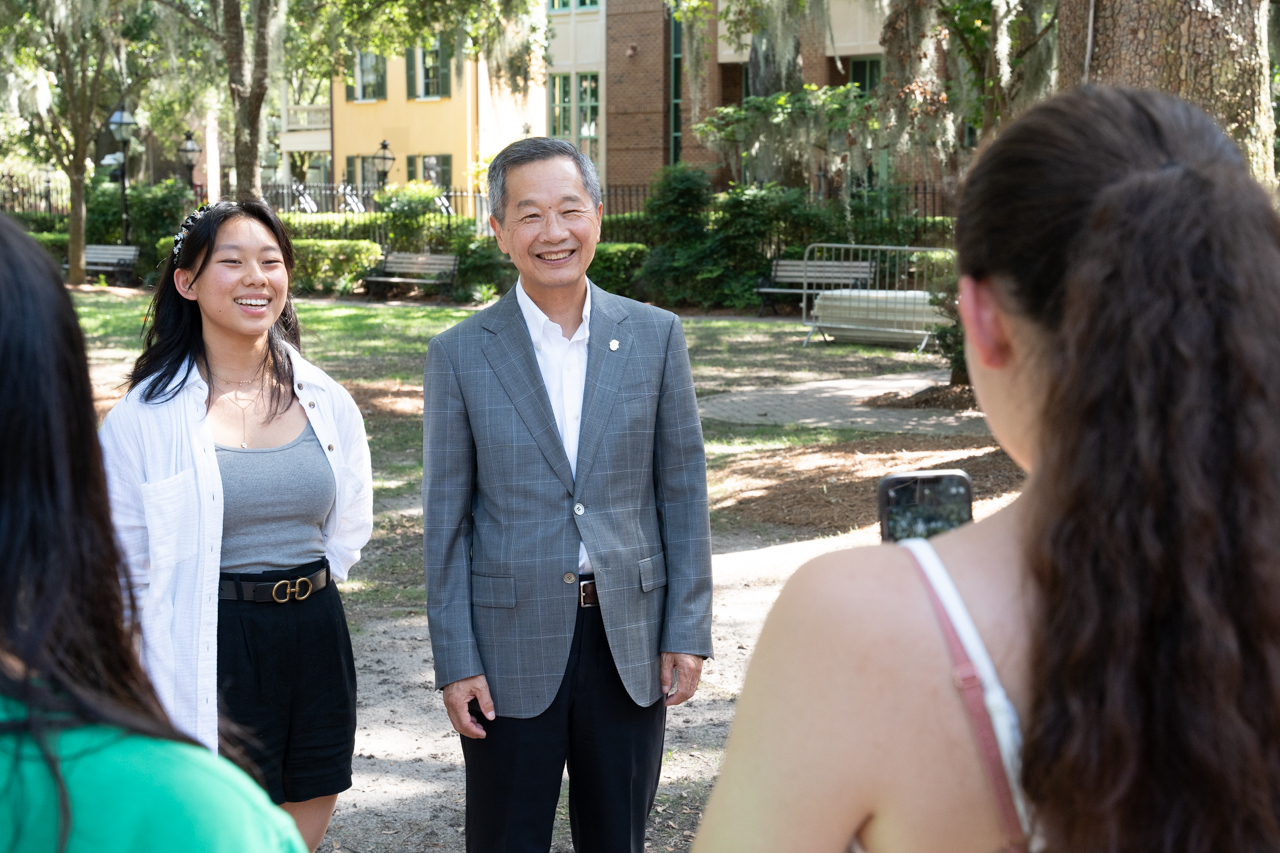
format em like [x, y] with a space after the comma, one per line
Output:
[186, 226]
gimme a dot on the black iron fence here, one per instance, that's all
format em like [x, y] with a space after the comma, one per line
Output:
[34, 194]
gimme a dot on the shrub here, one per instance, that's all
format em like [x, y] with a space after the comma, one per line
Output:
[616, 266]
[155, 211]
[335, 226]
[480, 262]
[328, 266]
[40, 223]
[54, 244]
[674, 271]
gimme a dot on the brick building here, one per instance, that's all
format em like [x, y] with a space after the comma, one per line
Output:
[618, 83]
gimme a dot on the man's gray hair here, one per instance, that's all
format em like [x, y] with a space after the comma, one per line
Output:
[534, 150]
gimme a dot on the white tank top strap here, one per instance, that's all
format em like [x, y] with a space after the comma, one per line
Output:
[1004, 717]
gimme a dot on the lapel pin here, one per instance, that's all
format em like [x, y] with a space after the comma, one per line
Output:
[613, 346]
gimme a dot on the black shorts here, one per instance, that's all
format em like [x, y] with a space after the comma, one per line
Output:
[286, 674]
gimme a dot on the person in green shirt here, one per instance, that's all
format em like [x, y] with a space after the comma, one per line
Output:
[89, 762]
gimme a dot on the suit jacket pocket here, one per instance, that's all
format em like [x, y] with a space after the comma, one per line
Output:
[653, 573]
[493, 591]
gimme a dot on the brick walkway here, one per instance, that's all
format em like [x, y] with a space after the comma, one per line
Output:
[834, 404]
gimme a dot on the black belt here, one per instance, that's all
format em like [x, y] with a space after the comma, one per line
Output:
[280, 591]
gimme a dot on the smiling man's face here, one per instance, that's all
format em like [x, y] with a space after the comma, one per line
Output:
[551, 226]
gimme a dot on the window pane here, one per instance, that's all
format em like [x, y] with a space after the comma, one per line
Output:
[559, 4]
[435, 168]
[369, 76]
[588, 3]
[431, 69]
[588, 105]
[561, 102]
[368, 172]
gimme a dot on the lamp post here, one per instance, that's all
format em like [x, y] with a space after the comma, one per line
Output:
[189, 152]
[382, 162]
[122, 127]
[48, 188]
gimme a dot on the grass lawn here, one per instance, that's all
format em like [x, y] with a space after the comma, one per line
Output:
[377, 351]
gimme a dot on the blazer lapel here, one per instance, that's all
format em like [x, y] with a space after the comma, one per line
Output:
[605, 369]
[510, 354]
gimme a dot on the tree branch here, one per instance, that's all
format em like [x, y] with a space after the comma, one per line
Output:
[193, 20]
[972, 55]
[1053, 20]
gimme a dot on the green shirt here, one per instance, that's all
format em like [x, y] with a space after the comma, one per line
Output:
[130, 793]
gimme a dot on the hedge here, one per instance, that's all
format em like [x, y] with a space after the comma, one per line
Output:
[615, 266]
[325, 266]
[40, 223]
[321, 266]
[335, 226]
[54, 244]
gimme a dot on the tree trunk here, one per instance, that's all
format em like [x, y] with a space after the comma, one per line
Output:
[248, 85]
[1213, 55]
[75, 224]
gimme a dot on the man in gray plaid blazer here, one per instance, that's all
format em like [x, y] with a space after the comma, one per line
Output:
[567, 542]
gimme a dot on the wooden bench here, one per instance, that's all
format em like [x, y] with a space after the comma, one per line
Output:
[824, 274]
[407, 268]
[119, 261]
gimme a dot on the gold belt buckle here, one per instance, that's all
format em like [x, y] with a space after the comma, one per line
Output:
[291, 589]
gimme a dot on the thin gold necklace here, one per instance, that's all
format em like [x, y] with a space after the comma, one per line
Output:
[244, 410]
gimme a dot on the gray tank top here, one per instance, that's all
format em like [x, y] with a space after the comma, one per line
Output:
[275, 502]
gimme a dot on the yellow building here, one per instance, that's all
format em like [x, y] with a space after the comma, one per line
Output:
[439, 122]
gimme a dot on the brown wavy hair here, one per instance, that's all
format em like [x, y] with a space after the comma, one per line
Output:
[1126, 225]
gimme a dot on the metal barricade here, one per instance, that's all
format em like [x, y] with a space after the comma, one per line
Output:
[875, 294]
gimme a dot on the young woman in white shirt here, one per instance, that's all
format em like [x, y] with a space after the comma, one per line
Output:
[241, 493]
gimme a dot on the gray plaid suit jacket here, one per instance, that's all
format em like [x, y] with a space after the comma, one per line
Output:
[500, 529]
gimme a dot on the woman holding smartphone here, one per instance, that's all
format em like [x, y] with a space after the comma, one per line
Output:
[241, 493]
[1097, 666]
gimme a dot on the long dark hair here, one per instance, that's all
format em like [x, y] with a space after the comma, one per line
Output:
[69, 653]
[174, 342]
[1126, 225]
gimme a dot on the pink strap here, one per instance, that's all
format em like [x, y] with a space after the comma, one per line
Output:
[969, 684]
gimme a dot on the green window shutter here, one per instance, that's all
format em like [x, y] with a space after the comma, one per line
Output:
[380, 87]
[411, 167]
[351, 78]
[446, 66]
[446, 171]
[351, 170]
[410, 73]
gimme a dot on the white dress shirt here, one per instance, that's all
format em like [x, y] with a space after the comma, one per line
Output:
[166, 504]
[563, 363]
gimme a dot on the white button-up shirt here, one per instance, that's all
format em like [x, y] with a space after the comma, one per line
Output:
[166, 504]
[563, 363]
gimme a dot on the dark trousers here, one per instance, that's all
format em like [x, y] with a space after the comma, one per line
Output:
[613, 748]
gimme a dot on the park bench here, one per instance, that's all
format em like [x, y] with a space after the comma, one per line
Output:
[408, 268]
[119, 261]
[808, 279]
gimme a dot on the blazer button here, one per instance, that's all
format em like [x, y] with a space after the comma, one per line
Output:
[570, 577]
[579, 509]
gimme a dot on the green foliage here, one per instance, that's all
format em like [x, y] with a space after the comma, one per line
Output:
[950, 338]
[40, 223]
[335, 226]
[328, 266]
[480, 262]
[53, 243]
[677, 211]
[616, 266]
[413, 218]
[626, 228]
[155, 211]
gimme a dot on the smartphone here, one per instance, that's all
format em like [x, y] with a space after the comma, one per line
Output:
[920, 504]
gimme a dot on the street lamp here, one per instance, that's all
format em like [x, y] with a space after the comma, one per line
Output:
[189, 152]
[382, 162]
[122, 127]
